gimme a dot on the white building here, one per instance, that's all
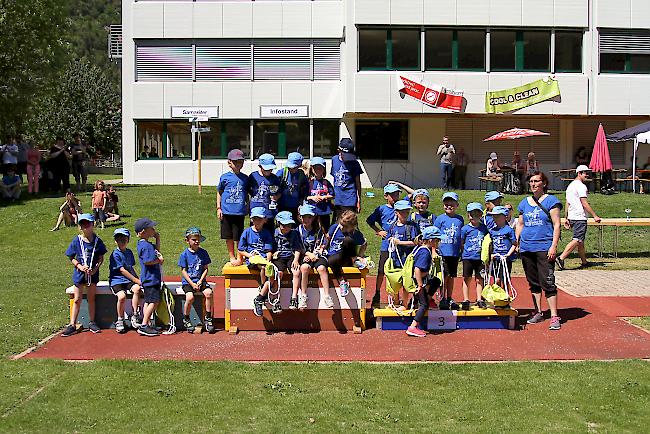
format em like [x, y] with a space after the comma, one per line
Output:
[298, 75]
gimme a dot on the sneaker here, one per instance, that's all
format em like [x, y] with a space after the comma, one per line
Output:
[560, 262]
[453, 305]
[535, 318]
[327, 299]
[416, 332]
[344, 287]
[147, 330]
[465, 305]
[69, 330]
[93, 327]
[135, 322]
[555, 323]
[302, 301]
[119, 326]
[376, 300]
[276, 308]
[482, 304]
[187, 324]
[209, 327]
[258, 305]
[293, 304]
[444, 304]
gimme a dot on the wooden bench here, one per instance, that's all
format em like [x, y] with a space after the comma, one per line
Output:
[348, 313]
[625, 184]
[485, 181]
[475, 318]
[106, 313]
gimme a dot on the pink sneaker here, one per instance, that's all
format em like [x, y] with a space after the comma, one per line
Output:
[555, 323]
[414, 331]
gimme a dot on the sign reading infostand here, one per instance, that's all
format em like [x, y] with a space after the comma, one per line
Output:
[284, 111]
[195, 112]
[501, 101]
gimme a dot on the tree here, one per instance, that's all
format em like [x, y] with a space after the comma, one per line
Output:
[79, 99]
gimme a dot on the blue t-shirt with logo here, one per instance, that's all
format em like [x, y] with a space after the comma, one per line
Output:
[502, 240]
[321, 187]
[234, 191]
[259, 188]
[82, 251]
[118, 260]
[151, 275]
[252, 241]
[488, 220]
[194, 263]
[336, 236]
[422, 260]
[472, 237]
[384, 215]
[450, 226]
[311, 238]
[295, 187]
[537, 234]
[9, 180]
[344, 174]
[405, 232]
[423, 220]
[287, 244]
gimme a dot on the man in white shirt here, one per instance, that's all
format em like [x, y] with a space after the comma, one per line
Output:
[576, 211]
[446, 153]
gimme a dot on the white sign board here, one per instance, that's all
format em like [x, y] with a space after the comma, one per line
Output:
[284, 111]
[441, 319]
[192, 112]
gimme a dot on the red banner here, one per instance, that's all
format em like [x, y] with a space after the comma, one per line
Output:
[434, 96]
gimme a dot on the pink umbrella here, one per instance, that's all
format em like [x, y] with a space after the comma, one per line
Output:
[600, 161]
[515, 133]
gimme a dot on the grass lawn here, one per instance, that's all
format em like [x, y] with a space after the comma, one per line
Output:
[643, 321]
[99, 396]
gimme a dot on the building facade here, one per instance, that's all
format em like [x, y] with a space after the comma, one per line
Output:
[280, 76]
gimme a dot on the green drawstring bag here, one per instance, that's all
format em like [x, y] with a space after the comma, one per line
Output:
[485, 249]
[408, 281]
[394, 276]
[165, 309]
[496, 295]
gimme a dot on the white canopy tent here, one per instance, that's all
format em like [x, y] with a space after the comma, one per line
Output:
[640, 134]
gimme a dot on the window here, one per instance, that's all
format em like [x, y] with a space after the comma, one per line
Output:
[150, 138]
[624, 51]
[163, 63]
[327, 60]
[326, 137]
[382, 140]
[568, 51]
[280, 137]
[455, 49]
[179, 140]
[225, 136]
[224, 60]
[625, 63]
[282, 59]
[392, 49]
[520, 50]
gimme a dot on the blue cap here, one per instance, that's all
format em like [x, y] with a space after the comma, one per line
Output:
[194, 230]
[258, 211]
[420, 192]
[121, 231]
[144, 223]
[391, 188]
[307, 209]
[284, 218]
[499, 210]
[492, 195]
[432, 232]
[450, 195]
[346, 146]
[267, 161]
[402, 205]
[294, 159]
[474, 206]
[317, 161]
[86, 216]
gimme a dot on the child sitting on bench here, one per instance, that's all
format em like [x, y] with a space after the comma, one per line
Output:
[194, 263]
[286, 257]
[123, 279]
[312, 238]
[346, 245]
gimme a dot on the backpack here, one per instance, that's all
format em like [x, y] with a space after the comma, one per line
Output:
[165, 309]
[408, 271]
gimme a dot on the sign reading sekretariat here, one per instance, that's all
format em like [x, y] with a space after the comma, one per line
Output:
[501, 101]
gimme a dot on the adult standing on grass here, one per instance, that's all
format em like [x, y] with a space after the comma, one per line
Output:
[446, 152]
[79, 153]
[538, 233]
[576, 216]
[346, 172]
[58, 165]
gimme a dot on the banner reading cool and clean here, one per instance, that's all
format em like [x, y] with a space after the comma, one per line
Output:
[501, 101]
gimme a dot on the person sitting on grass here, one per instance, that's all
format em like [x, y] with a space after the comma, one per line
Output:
[401, 235]
[504, 240]
[472, 236]
[450, 225]
[86, 253]
[286, 257]
[231, 203]
[194, 263]
[123, 279]
[68, 212]
[346, 246]
[150, 266]
[420, 200]
[257, 241]
[11, 184]
[314, 258]
[111, 210]
[424, 256]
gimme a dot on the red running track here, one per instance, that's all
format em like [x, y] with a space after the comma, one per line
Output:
[591, 330]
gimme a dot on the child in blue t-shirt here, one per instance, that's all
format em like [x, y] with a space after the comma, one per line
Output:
[295, 184]
[401, 238]
[313, 240]
[346, 172]
[346, 245]
[450, 225]
[123, 279]
[232, 192]
[265, 189]
[257, 241]
[288, 249]
[420, 200]
[472, 235]
[150, 272]
[492, 199]
[384, 215]
[86, 252]
[321, 193]
[504, 240]
[194, 263]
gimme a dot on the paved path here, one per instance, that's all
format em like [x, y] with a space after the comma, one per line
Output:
[584, 283]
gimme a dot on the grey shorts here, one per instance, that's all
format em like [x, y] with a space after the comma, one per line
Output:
[579, 229]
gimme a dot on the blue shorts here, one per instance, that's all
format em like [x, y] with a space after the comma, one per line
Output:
[93, 279]
[152, 293]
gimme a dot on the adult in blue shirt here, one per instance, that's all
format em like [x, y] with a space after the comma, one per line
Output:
[538, 233]
[265, 189]
[346, 172]
[295, 184]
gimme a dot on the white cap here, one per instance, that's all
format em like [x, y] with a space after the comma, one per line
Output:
[582, 168]
[493, 156]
